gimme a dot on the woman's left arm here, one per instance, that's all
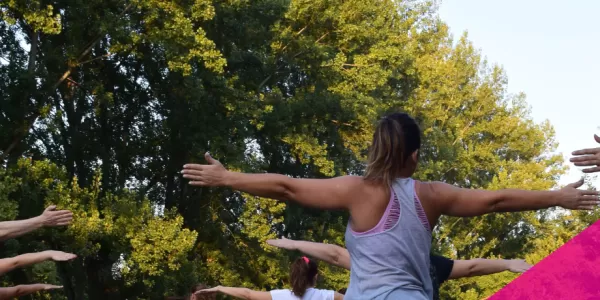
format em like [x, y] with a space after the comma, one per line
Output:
[241, 293]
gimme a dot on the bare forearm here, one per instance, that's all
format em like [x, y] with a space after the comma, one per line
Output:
[319, 193]
[242, 293]
[274, 186]
[11, 263]
[488, 266]
[12, 229]
[19, 291]
[519, 200]
[331, 254]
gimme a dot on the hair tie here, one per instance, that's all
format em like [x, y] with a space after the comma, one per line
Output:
[305, 259]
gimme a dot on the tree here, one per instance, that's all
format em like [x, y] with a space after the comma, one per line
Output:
[104, 101]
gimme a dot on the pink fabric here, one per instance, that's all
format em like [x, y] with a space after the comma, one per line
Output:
[387, 221]
[421, 211]
[570, 272]
[392, 215]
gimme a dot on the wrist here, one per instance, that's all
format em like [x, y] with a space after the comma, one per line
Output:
[556, 197]
[38, 222]
[228, 178]
[46, 255]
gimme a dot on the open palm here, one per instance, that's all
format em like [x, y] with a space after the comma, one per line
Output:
[518, 266]
[61, 256]
[282, 243]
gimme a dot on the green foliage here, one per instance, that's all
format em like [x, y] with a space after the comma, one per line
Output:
[117, 95]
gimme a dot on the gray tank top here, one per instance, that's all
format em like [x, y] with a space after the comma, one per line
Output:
[392, 264]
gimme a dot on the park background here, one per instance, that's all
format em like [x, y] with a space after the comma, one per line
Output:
[103, 101]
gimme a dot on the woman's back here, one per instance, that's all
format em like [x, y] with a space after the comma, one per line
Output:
[391, 261]
[311, 294]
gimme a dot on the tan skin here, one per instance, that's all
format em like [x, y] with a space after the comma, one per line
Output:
[588, 158]
[248, 294]
[367, 201]
[11, 263]
[340, 257]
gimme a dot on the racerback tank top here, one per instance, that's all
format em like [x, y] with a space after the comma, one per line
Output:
[394, 263]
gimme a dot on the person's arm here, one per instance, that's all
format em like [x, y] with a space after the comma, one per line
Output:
[338, 296]
[588, 158]
[459, 202]
[50, 217]
[241, 293]
[334, 193]
[479, 267]
[11, 263]
[24, 290]
[328, 253]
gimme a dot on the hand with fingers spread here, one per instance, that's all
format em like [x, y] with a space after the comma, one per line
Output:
[59, 255]
[52, 217]
[213, 174]
[573, 198]
[588, 158]
[518, 265]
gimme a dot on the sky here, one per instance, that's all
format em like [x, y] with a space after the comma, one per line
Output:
[550, 50]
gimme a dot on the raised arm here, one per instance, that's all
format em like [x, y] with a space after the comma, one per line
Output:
[459, 202]
[11, 263]
[479, 267]
[24, 290]
[50, 217]
[241, 293]
[328, 253]
[588, 158]
[334, 193]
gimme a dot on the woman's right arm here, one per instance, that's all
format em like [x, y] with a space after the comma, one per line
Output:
[331, 193]
[459, 202]
[328, 253]
[24, 290]
[338, 296]
[11, 263]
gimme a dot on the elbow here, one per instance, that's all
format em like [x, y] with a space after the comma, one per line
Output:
[496, 203]
[335, 258]
[284, 189]
[247, 294]
[473, 269]
[19, 291]
[341, 258]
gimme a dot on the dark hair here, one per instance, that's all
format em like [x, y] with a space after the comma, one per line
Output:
[302, 275]
[342, 291]
[396, 137]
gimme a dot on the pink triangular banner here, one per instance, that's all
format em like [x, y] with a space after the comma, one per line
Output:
[571, 272]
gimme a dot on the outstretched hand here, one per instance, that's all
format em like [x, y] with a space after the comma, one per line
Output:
[588, 158]
[213, 174]
[53, 217]
[47, 287]
[573, 198]
[60, 256]
[208, 291]
[518, 265]
[282, 243]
